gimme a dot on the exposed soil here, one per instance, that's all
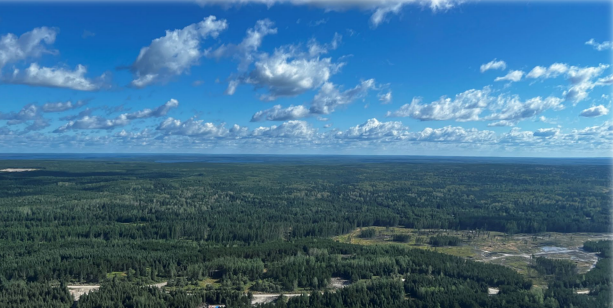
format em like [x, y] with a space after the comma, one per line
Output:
[16, 170]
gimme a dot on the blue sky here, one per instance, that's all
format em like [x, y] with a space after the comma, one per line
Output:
[298, 77]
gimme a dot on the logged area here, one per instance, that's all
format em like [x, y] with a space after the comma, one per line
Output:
[182, 234]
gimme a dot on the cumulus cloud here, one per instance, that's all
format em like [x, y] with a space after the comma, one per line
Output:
[316, 49]
[244, 51]
[277, 113]
[501, 123]
[62, 106]
[606, 45]
[552, 71]
[605, 81]
[546, 132]
[581, 79]
[95, 122]
[324, 102]
[385, 98]
[595, 111]
[289, 129]
[28, 113]
[504, 109]
[286, 73]
[84, 113]
[512, 76]
[380, 8]
[174, 53]
[330, 97]
[56, 77]
[493, 65]
[455, 134]
[29, 45]
[466, 106]
[192, 127]
[603, 130]
[374, 129]
[154, 113]
[514, 110]
[37, 124]
[382, 12]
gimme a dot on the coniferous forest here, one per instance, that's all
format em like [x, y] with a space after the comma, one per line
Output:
[218, 233]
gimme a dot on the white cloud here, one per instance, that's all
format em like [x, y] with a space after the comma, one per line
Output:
[605, 81]
[28, 45]
[289, 129]
[154, 113]
[546, 132]
[174, 53]
[595, 111]
[244, 51]
[385, 98]
[37, 124]
[515, 110]
[501, 123]
[604, 130]
[466, 106]
[95, 122]
[382, 12]
[62, 106]
[581, 81]
[606, 45]
[325, 101]
[192, 127]
[86, 112]
[580, 78]
[455, 134]
[232, 87]
[315, 49]
[330, 97]
[288, 74]
[554, 70]
[28, 113]
[513, 76]
[277, 113]
[493, 65]
[56, 77]
[374, 129]
[381, 8]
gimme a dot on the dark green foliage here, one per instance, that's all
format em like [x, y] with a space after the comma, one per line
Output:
[128, 295]
[367, 233]
[558, 268]
[604, 248]
[444, 240]
[264, 228]
[34, 295]
[402, 238]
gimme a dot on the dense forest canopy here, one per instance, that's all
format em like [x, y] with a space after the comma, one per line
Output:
[266, 228]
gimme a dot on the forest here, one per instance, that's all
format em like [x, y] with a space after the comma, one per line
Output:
[218, 233]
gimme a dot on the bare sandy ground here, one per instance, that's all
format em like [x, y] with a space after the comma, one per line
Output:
[76, 290]
[16, 170]
[270, 297]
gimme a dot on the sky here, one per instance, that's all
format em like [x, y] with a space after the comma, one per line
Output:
[383, 77]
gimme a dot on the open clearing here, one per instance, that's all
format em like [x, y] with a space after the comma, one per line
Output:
[16, 170]
[515, 251]
[78, 290]
[270, 297]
